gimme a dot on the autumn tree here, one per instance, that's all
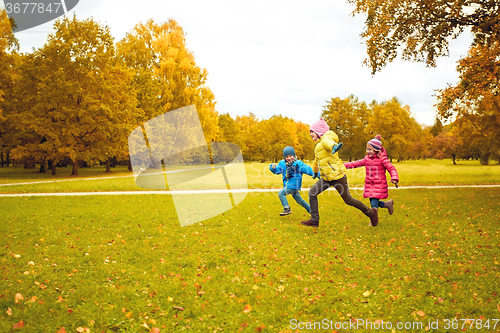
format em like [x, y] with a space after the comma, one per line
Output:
[480, 129]
[166, 75]
[228, 130]
[475, 99]
[422, 29]
[247, 125]
[299, 138]
[394, 122]
[445, 144]
[262, 140]
[282, 132]
[258, 142]
[437, 127]
[8, 57]
[83, 107]
[423, 142]
[348, 118]
[306, 144]
[479, 74]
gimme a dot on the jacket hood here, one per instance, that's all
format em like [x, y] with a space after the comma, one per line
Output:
[330, 134]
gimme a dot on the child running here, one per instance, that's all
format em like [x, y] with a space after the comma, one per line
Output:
[376, 164]
[292, 169]
[333, 173]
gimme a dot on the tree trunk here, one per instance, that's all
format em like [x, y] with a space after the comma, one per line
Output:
[75, 168]
[7, 161]
[453, 156]
[484, 159]
[129, 164]
[53, 167]
[108, 165]
[157, 164]
[42, 167]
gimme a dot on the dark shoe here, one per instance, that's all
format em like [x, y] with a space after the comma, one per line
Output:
[310, 223]
[389, 204]
[286, 211]
[373, 215]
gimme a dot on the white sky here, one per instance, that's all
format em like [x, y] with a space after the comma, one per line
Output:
[275, 56]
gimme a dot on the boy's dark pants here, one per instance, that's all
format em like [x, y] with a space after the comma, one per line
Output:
[341, 186]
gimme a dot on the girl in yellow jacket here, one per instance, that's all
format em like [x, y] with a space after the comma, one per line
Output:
[332, 173]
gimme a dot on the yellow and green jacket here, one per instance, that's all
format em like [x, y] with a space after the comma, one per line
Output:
[329, 165]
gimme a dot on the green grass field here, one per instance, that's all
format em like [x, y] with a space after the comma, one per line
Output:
[123, 263]
[428, 172]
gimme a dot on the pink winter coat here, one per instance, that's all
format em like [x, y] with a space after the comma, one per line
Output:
[375, 181]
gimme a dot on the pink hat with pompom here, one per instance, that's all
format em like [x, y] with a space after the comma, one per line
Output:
[320, 127]
[376, 143]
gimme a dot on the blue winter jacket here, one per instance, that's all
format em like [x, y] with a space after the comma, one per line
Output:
[298, 168]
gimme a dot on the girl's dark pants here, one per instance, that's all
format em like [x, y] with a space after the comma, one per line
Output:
[341, 186]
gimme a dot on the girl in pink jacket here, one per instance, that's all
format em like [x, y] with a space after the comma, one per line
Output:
[376, 163]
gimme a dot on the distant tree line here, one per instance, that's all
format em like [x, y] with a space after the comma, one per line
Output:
[75, 100]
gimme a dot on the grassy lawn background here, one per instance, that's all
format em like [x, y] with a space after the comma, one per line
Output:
[122, 263]
[428, 172]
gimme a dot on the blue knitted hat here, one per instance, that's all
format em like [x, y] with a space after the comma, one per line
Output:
[288, 151]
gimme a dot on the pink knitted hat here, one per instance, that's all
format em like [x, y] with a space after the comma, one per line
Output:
[376, 143]
[320, 127]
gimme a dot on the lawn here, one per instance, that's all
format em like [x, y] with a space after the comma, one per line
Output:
[428, 172]
[123, 264]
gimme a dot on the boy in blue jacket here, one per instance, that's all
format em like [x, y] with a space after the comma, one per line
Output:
[291, 169]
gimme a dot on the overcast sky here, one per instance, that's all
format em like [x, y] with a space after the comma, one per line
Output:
[275, 56]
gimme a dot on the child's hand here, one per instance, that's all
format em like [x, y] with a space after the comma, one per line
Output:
[395, 182]
[336, 148]
[273, 166]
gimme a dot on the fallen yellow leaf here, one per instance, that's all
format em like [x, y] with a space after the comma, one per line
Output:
[18, 325]
[18, 298]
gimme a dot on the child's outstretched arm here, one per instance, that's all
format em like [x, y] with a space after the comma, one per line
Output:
[276, 168]
[336, 147]
[355, 164]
